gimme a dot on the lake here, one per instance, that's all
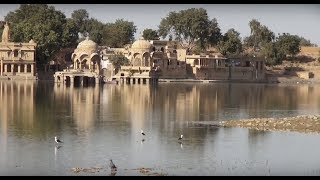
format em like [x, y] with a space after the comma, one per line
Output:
[101, 122]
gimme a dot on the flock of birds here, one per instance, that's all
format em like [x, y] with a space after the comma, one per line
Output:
[112, 166]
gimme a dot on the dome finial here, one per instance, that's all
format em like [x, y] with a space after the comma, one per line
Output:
[87, 35]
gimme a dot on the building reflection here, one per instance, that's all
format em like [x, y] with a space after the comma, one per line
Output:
[32, 105]
[138, 102]
[180, 103]
[17, 105]
[83, 103]
[17, 101]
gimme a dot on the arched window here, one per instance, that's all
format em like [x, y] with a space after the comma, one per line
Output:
[9, 68]
[137, 62]
[15, 68]
[146, 59]
[15, 53]
[29, 68]
[22, 68]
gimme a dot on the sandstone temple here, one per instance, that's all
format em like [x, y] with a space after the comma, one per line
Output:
[17, 58]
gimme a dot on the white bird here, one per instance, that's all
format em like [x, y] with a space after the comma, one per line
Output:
[57, 140]
[180, 138]
[142, 132]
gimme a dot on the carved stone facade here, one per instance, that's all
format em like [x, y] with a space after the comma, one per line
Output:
[151, 60]
[141, 68]
[159, 59]
[17, 59]
[86, 56]
[86, 65]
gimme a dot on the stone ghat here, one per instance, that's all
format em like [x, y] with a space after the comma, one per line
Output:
[305, 124]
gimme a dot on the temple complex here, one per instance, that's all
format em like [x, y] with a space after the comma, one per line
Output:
[17, 58]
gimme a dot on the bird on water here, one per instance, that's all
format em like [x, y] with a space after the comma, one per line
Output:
[142, 132]
[180, 138]
[57, 140]
[112, 166]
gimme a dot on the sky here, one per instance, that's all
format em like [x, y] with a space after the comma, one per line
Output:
[296, 19]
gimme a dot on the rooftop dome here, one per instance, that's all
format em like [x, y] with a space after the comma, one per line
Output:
[141, 44]
[87, 45]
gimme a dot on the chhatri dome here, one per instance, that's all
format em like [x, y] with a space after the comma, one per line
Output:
[87, 46]
[141, 44]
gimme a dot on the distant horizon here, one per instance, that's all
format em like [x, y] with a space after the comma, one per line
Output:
[297, 19]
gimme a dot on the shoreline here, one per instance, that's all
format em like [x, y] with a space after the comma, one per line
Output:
[269, 80]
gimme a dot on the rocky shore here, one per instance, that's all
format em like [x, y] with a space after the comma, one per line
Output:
[305, 124]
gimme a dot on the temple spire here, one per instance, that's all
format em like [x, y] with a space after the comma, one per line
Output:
[5, 33]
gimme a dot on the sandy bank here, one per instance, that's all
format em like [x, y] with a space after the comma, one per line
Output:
[306, 123]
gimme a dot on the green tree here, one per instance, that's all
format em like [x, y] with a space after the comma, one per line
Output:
[81, 19]
[260, 35]
[150, 34]
[88, 26]
[186, 26]
[230, 44]
[95, 30]
[119, 33]
[270, 52]
[305, 42]
[119, 60]
[48, 27]
[69, 35]
[288, 44]
[214, 33]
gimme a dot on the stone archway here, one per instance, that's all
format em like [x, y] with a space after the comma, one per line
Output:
[77, 64]
[146, 60]
[84, 64]
[95, 62]
[136, 60]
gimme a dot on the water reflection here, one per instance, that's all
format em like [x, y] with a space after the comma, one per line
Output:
[181, 144]
[83, 103]
[104, 121]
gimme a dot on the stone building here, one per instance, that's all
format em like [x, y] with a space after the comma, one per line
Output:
[151, 61]
[86, 65]
[142, 68]
[17, 58]
[159, 59]
[107, 68]
[217, 67]
[207, 67]
[167, 57]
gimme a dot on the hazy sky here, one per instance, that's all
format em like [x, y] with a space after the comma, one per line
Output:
[296, 19]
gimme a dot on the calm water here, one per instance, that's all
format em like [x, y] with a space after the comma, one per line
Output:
[104, 122]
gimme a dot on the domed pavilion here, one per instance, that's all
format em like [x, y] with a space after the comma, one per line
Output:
[86, 56]
[141, 69]
[86, 65]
